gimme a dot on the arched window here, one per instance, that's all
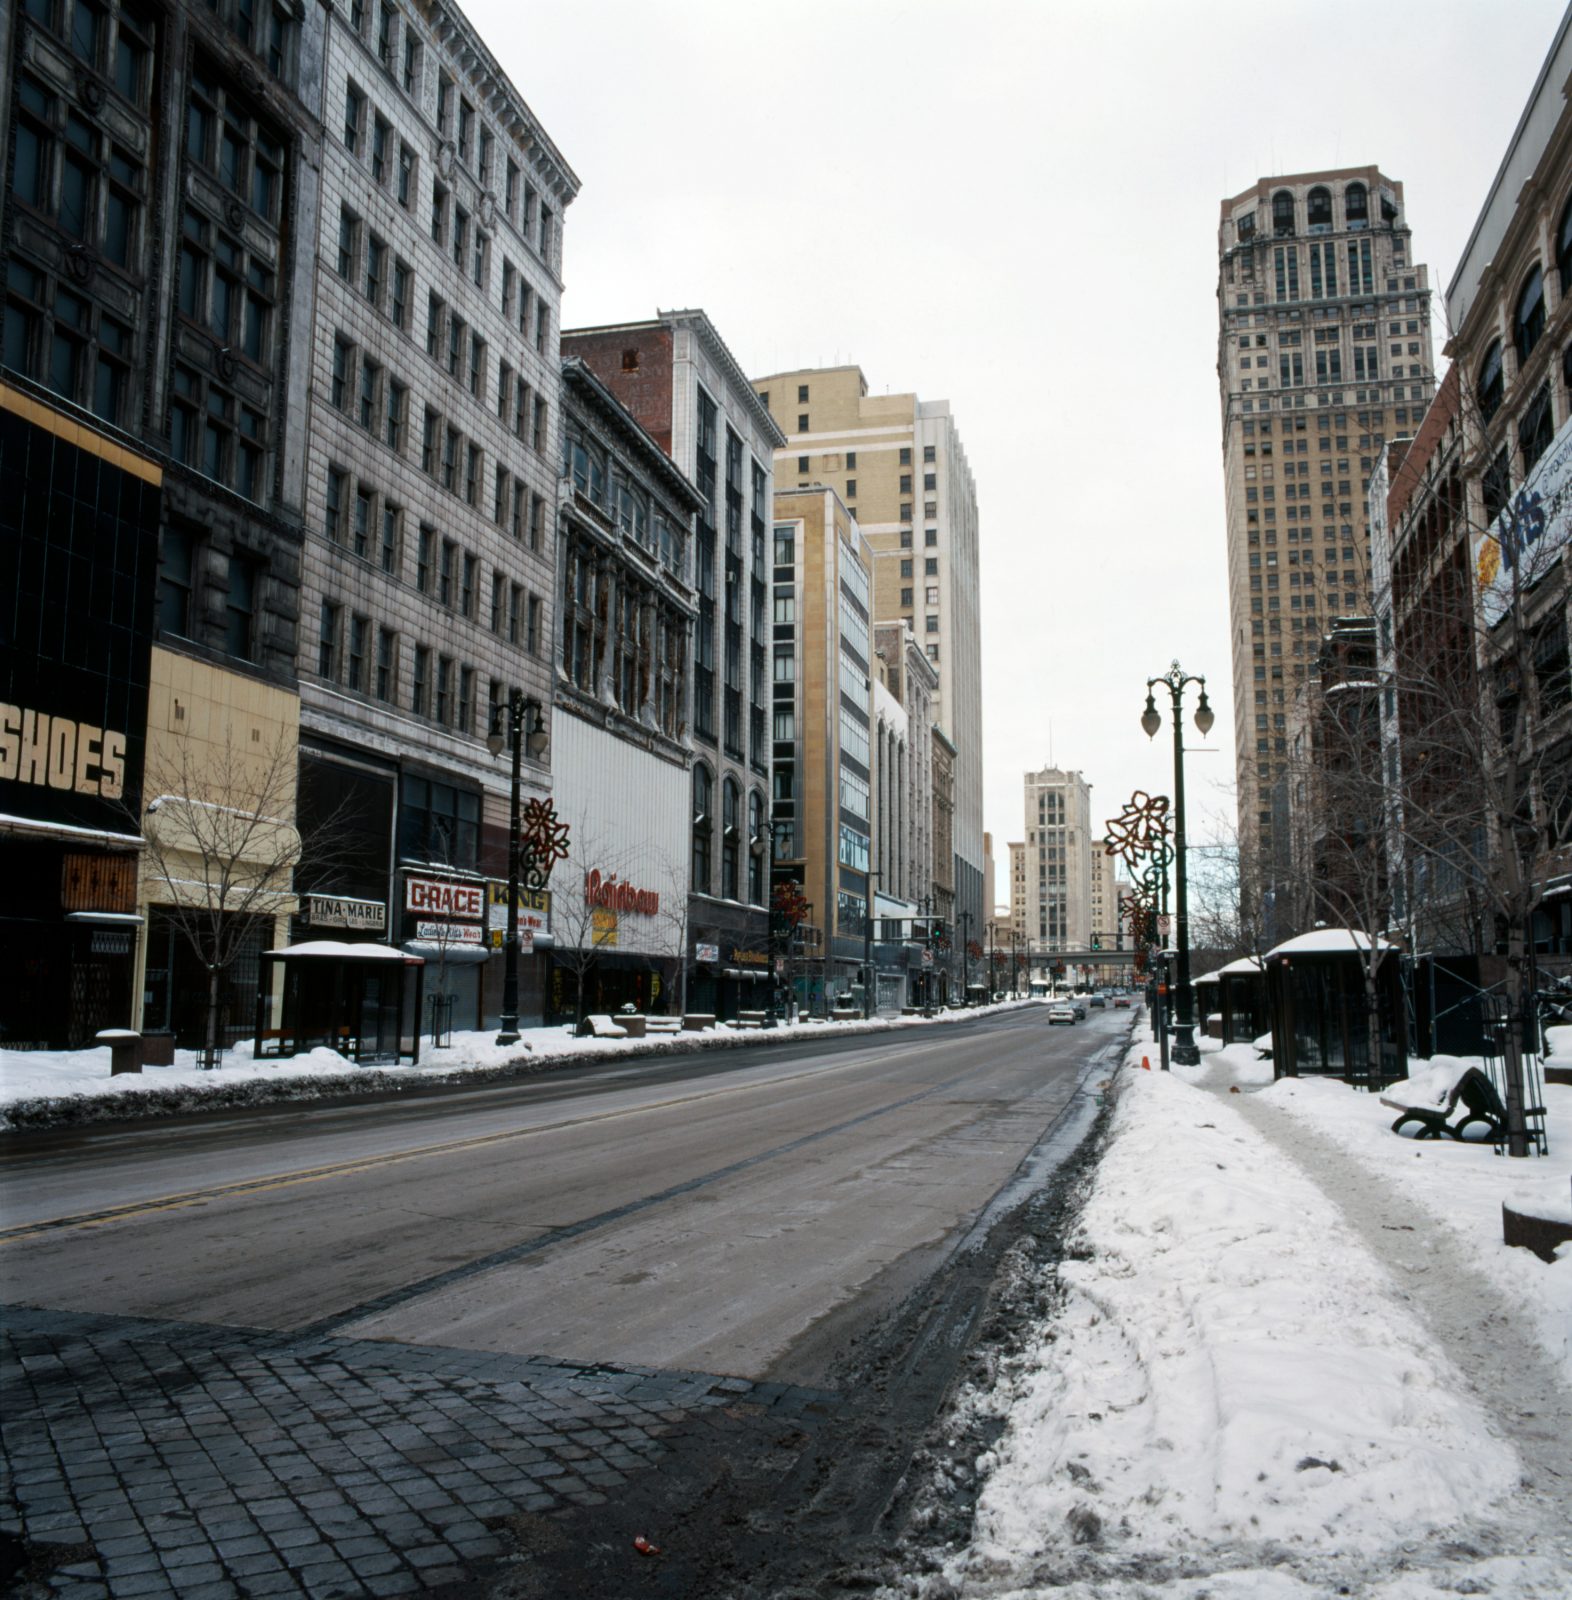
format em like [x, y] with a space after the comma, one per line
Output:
[1282, 212]
[731, 838]
[703, 828]
[1318, 207]
[1529, 322]
[1564, 248]
[1536, 428]
[1490, 388]
[758, 848]
[1356, 206]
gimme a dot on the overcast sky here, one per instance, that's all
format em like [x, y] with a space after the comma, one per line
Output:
[1014, 206]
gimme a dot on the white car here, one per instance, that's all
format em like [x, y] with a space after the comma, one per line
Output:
[1059, 1011]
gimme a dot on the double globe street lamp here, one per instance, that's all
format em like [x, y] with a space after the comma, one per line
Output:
[1186, 1052]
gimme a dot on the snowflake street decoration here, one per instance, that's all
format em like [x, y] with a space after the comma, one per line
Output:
[1139, 829]
[543, 840]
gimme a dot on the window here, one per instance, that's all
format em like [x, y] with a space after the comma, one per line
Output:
[354, 118]
[359, 634]
[425, 558]
[1356, 205]
[391, 520]
[1535, 429]
[420, 681]
[731, 837]
[376, 269]
[411, 72]
[387, 665]
[1529, 322]
[327, 641]
[224, 136]
[1282, 213]
[240, 608]
[703, 824]
[176, 573]
[1491, 386]
[405, 188]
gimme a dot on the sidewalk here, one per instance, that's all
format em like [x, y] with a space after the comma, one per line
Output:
[1295, 1360]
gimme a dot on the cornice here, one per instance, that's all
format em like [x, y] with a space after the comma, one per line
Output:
[698, 323]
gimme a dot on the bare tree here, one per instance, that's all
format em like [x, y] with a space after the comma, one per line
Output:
[222, 849]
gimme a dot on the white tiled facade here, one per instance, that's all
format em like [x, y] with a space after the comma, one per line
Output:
[440, 231]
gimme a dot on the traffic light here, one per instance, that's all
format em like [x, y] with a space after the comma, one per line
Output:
[1097, 943]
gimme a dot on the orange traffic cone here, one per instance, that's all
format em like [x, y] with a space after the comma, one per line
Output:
[1146, 1065]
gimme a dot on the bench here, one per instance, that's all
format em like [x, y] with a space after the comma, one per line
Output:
[663, 1025]
[1429, 1102]
[601, 1027]
[697, 1021]
[750, 1019]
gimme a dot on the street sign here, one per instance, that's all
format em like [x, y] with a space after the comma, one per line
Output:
[1165, 926]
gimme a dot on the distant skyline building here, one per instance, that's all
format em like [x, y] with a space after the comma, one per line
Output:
[1058, 859]
[1324, 353]
[899, 465]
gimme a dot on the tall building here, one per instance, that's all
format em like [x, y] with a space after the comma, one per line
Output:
[159, 256]
[899, 465]
[432, 467]
[1324, 352]
[1105, 899]
[624, 534]
[1058, 860]
[823, 723]
[678, 379]
[912, 680]
[1018, 887]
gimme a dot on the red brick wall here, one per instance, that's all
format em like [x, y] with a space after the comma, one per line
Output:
[644, 388]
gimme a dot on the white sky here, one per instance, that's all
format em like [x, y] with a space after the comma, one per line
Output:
[1014, 206]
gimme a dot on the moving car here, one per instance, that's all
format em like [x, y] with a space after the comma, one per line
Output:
[1062, 1011]
[1079, 1007]
[1121, 1002]
[1097, 1003]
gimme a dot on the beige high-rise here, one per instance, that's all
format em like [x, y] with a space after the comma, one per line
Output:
[899, 465]
[1324, 352]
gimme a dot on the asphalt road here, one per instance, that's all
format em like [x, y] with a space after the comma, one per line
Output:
[723, 1212]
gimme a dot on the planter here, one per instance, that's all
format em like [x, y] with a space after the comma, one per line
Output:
[1535, 1229]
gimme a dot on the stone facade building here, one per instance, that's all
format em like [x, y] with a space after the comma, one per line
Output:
[620, 725]
[431, 472]
[1324, 353]
[159, 250]
[910, 677]
[1058, 860]
[676, 376]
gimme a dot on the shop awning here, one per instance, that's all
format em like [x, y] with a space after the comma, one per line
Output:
[339, 950]
[456, 955]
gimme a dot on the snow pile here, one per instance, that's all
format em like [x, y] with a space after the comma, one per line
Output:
[41, 1087]
[1231, 1370]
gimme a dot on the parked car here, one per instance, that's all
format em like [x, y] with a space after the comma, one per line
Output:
[1097, 1003]
[1061, 1011]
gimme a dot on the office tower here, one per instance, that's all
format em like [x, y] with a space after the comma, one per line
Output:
[1324, 352]
[898, 464]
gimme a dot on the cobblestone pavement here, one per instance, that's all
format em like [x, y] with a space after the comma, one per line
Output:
[147, 1458]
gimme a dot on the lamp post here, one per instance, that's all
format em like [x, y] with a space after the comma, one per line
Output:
[867, 946]
[508, 726]
[965, 920]
[1185, 1051]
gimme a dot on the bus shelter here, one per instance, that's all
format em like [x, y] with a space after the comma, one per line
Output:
[1241, 997]
[353, 998]
[1315, 987]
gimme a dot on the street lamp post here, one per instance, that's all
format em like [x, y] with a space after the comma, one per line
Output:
[965, 919]
[867, 945]
[508, 727]
[1185, 1050]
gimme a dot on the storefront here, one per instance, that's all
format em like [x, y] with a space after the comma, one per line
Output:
[443, 919]
[79, 521]
[619, 899]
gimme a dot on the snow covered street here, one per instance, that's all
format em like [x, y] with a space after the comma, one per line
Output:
[1294, 1359]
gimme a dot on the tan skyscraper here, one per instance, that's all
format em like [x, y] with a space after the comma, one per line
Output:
[899, 465]
[1324, 353]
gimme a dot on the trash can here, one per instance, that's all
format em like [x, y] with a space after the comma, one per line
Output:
[125, 1050]
[158, 1048]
